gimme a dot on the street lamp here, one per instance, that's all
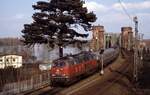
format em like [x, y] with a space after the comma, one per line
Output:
[102, 62]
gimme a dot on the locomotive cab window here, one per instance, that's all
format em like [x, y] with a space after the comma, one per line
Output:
[81, 58]
[76, 60]
[59, 64]
[86, 57]
[90, 57]
[94, 56]
[70, 62]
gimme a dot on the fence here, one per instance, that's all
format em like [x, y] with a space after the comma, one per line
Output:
[34, 82]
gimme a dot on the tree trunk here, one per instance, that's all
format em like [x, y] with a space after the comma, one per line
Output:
[60, 51]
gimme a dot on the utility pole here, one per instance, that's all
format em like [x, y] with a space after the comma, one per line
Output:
[135, 68]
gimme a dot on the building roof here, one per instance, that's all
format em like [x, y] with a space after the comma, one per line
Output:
[10, 54]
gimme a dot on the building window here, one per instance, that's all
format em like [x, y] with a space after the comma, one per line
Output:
[14, 59]
[1, 60]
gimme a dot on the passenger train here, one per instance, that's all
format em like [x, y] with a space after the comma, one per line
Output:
[71, 68]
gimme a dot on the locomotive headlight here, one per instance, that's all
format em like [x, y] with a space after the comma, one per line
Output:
[53, 75]
[66, 76]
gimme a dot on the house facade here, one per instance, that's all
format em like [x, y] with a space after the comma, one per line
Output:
[10, 60]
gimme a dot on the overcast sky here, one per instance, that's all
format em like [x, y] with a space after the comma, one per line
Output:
[15, 13]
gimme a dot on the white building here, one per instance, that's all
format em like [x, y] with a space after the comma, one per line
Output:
[10, 60]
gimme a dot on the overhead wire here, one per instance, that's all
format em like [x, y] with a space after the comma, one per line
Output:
[125, 10]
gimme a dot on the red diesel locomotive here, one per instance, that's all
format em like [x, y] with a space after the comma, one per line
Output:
[70, 68]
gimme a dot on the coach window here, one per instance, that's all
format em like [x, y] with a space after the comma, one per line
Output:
[72, 60]
[77, 60]
[89, 57]
[92, 56]
[86, 57]
[83, 58]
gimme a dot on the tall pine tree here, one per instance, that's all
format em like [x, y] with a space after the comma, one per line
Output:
[53, 23]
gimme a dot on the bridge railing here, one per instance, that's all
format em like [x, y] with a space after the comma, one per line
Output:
[35, 82]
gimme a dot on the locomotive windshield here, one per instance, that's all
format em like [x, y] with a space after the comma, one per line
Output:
[59, 63]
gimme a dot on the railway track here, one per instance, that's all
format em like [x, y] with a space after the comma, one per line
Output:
[100, 85]
[109, 83]
[36, 91]
[121, 73]
[45, 90]
[86, 83]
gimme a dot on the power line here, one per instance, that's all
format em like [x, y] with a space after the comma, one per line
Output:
[126, 12]
[124, 9]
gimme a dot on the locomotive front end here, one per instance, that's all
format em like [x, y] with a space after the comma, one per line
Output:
[59, 72]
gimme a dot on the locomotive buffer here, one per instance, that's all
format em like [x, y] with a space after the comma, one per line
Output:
[101, 61]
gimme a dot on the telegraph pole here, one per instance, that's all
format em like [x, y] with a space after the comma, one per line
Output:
[135, 68]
